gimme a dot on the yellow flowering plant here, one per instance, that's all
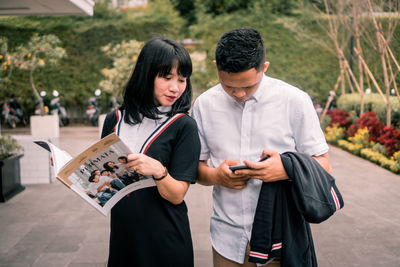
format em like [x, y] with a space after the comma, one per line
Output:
[334, 133]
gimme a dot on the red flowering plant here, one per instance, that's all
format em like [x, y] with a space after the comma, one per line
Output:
[371, 121]
[390, 139]
[341, 117]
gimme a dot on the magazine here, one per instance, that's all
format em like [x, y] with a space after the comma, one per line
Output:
[98, 174]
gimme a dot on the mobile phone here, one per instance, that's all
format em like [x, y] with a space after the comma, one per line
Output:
[244, 167]
[238, 167]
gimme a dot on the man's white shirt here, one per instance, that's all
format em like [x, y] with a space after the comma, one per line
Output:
[279, 117]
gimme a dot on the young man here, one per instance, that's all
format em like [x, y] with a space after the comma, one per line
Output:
[247, 116]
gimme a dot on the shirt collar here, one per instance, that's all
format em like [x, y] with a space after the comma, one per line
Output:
[261, 89]
[164, 109]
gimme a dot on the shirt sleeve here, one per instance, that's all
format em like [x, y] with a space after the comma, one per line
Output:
[109, 123]
[196, 114]
[185, 157]
[307, 131]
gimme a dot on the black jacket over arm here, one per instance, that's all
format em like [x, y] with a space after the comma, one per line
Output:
[285, 209]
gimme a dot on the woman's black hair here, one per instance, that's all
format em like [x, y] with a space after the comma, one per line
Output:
[108, 168]
[157, 58]
[239, 50]
[92, 175]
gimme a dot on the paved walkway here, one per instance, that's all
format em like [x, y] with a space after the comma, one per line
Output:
[48, 225]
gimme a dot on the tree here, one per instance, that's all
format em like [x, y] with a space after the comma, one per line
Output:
[217, 7]
[7, 62]
[124, 57]
[186, 9]
[355, 19]
[37, 53]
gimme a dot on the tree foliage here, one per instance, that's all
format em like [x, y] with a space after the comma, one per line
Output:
[217, 7]
[124, 57]
[186, 9]
[37, 53]
[7, 62]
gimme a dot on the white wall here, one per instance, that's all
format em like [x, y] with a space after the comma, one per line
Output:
[35, 164]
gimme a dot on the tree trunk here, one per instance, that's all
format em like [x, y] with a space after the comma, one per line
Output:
[35, 91]
[361, 76]
[382, 49]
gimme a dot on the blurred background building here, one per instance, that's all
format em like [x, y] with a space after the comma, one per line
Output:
[128, 3]
[47, 7]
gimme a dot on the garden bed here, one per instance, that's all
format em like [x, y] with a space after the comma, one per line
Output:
[366, 137]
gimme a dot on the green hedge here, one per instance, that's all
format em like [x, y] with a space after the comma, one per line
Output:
[374, 101]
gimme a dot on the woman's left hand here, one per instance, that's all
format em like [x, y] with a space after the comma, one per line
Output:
[145, 165]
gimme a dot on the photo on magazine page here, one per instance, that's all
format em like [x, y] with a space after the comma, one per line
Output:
[99, 175]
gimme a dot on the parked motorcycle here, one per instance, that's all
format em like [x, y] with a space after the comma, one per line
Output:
[38, 110]
[93, 109]
[57, 108]
[13, 114]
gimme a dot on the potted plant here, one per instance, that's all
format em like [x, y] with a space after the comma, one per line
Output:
[10, 171]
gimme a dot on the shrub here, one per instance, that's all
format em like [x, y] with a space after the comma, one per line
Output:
[396, 158]
[352, 148]
[371, 121]
[372, 102]
[326, 121]
[340, 117]
[378, 147]
[361, 137]
[334, 133]
[380, 159]
[390, 139]
[8, 147]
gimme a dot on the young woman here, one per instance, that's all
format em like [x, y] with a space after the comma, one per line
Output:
[150, 226]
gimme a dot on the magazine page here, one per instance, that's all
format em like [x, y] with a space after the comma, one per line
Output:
[58, 157]
[98, 174]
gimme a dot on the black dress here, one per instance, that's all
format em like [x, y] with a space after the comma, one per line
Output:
[146, 229]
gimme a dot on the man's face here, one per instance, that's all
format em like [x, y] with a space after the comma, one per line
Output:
[242, 85]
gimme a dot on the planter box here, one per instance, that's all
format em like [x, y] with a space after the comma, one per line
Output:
[45, 126]
[10, 178]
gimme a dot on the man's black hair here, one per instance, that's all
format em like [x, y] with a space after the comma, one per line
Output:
[157, 58]
[239, 50]
[104, 170]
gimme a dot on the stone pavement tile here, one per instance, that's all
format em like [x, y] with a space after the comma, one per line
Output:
[98, 234]
[93, 252]
[28, 249]
[15, 264]
[88, 264]
[53, 260]
[203, 258]
[11, 233]
[64, 244]
[201, 238]
[199, 203]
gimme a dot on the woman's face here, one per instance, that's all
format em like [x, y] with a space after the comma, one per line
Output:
[168, 89]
